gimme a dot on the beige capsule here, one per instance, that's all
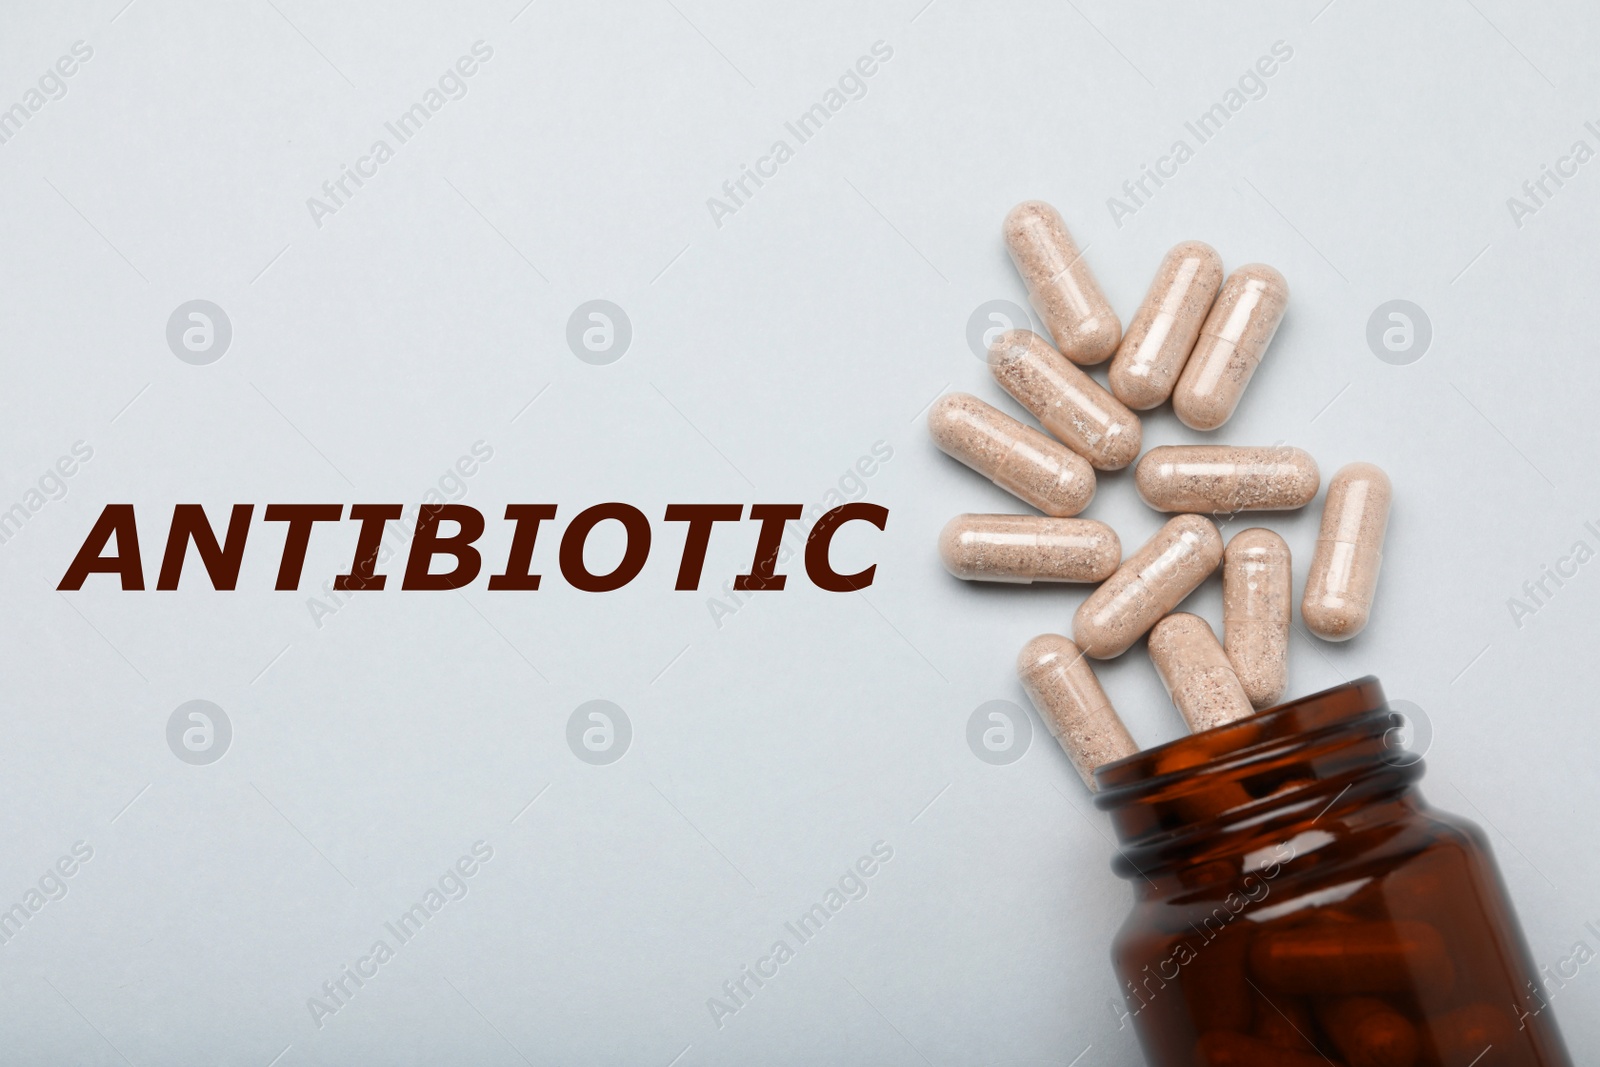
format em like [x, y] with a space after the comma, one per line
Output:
[1060, 285]
[1019, 459]
[1257, 605]
[1344, 568]
[1223, 479]
[1164, 329]
[1074, 708]
[1028, 548]
[1232, 341]
[1149, 584]
[1197, 673]
[1070, 404]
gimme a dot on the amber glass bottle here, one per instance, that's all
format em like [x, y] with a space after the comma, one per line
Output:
[1298, 903]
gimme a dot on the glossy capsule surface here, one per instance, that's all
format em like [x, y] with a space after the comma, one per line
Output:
[1257, 608]
[1347, 959]
[1196, 673]
[1064, 689]
[1074, 407]
[1369, 1032]
[1028, 548]
[1235, 336]
[1166, 326]
[1060, 285]
[1344, 569]
[1148, 585]
[1223, 479]
[1019, 459]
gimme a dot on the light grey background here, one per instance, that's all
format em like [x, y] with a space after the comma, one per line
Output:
[768, 355]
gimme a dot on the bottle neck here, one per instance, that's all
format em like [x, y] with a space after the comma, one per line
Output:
[1213, 798]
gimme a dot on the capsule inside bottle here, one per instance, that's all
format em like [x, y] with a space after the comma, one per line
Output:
[1028, 548]
[1370, 1032]
[1224, 1049]
[1166, 326]
[1016, 457]
[1351, 958]
[1071, 405]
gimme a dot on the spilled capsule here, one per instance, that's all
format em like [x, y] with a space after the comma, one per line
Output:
[1166, 326]
[1223, 479]
[1071, 405]
[1149, 584]
[1232, 341]
[1072, 704]
[1257, 606]
[1019, 459]
[1196, 673]
[1060, 285]
[1344, 569]
[1028, 548]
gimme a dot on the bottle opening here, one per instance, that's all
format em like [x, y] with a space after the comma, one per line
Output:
[1183, 801]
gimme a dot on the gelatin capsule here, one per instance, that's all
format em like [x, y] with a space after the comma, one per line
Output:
[1019, 459]
[1203, 805]
[1344, 568]
[1165, 327]
[1369, 1033]
[1232, 341]
[1060, 285]
[1257, 604]
[1065, 400]
[1284, 1022]
[1196, 672]
[1148, 585]
[1344, 959]
[1462, 1036]
[1222, 1049]
[1074, 708]
[1214, 983]
[1223, 479]
[1029, 548]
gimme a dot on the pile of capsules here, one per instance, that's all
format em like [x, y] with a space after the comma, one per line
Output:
[1196, 339]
